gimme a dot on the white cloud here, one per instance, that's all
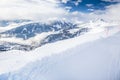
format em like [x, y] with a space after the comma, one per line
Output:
[111, 0]
[30, 9]
[64, 1]
[89, 5]
[37, 10]
[50, 9]
[77, 2]
[90, 9]
[110, 14]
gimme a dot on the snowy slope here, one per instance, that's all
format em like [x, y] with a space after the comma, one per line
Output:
[33, 34]
[15, 56]
[12, 61]
[95, 60]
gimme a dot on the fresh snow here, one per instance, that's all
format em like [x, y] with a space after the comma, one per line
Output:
[15, 61]
[94, 60]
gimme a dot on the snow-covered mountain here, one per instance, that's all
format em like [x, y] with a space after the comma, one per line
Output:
[35, 34]
[59, 40]
[84, 49]
[28, 35]
[94, 56]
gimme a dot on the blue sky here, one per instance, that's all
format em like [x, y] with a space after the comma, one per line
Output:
[88, 5]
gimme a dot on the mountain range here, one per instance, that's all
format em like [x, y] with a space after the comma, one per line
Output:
[37, 34]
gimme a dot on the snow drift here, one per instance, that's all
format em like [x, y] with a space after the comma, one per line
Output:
[97, 60]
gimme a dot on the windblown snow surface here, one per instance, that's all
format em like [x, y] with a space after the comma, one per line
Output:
[94, 56]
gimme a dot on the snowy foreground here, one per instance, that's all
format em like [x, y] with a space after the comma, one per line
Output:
[93, 56]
